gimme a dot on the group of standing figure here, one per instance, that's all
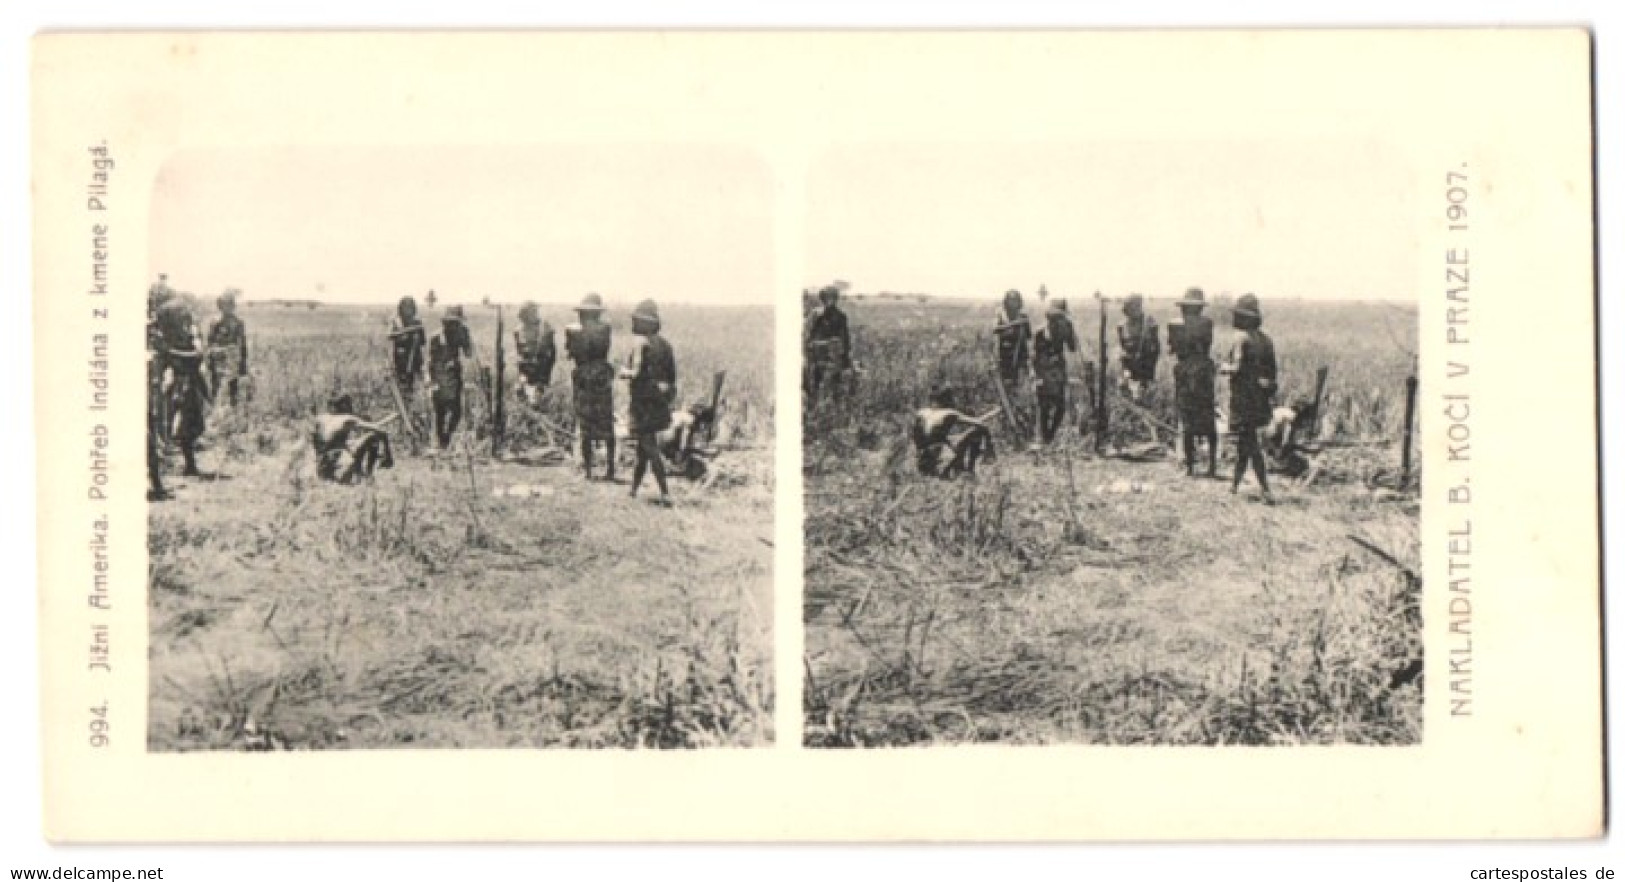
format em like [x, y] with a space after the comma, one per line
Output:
[650, 371]
[1249, 363]
[185, 374]
[442, 369]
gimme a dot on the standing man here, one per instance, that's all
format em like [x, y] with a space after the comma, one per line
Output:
[1252, 370]
[651, 368]
[157, 409]
[1050, 346]
[188, 393]
[1137, 340]
[593, 380]
[533, 341]
[828, 346]
[1012, 337]
[1189, 340]
[446, 353]
[228, 348]
[406, 342]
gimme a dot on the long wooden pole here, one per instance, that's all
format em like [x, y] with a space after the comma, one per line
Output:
[1086, 417]
[1320, 396]
[1102, 411]
[1000, 367]
[1410, 421]
[498, 417]
[407, 423]
[1009, 409]
[717, 380]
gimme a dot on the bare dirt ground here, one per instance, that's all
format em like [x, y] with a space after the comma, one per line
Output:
[425, 611]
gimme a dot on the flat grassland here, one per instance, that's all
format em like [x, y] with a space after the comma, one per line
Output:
[1063, 596]
[425, 610]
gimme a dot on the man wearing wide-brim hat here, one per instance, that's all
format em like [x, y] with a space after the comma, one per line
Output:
[1190, 341]
[827, 349]
[587, 343]
[188, 390]
[651, 369]
[1252, 369]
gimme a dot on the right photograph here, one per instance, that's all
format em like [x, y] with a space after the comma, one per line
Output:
[1112, 443]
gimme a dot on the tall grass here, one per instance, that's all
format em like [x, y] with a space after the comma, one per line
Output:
[1027, 606]
[301, 357]
[905, 349]
[418, 609]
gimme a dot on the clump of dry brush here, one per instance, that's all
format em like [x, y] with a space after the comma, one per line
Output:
[1343, 667]
[371, 620]
[901, 568]
[309, 667]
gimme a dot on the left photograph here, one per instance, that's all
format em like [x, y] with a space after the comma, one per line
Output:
[460, 447]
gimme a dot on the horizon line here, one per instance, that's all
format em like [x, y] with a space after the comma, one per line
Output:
[995, 298]
[440, 304]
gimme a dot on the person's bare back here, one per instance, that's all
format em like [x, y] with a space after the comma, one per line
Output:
[939, 430]
[348, 448]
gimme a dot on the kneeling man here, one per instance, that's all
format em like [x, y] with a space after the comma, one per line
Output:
[348, 448]
[947, 442]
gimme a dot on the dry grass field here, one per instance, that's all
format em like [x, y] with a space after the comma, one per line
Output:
[424, 609]
[1064, 596]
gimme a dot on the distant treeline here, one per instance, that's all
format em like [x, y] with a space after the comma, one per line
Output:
[811, 296]
[1221, 300]
[891, 295]
[289, 304]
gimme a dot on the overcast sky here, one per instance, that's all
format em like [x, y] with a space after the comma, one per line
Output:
[1280, 219]
[693, 223]
[368, 225]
